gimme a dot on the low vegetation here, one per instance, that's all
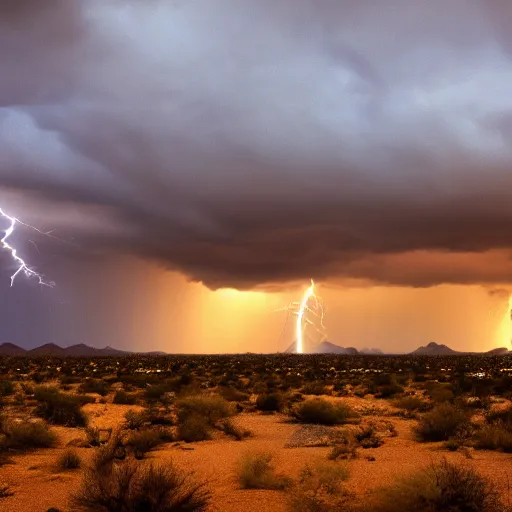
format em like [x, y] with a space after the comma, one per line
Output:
[25, 435]
[442, 423]
[68, 460]
[256, 471]
[323, 411]
[443, 487]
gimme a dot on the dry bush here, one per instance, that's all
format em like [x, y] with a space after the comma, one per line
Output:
[230, 429]
[442, 423]
[5, 491]
[324, 412]
[367, 437]
[320, 488]
[123, 398]
[494, 437]
[411, 404]
[255, 471]
[270, 402]
[26, 435]
[144, 441]
[68, 460]
[135, 420]
[60, 408]
[97, 386]
[138, 487]
[443, 487]
[194, 428]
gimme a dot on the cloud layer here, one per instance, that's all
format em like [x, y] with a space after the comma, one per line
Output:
[249, 143]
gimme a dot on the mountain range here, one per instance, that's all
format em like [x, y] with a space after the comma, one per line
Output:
[326, 347]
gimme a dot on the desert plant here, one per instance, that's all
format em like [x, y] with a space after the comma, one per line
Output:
[230, 429]
[123, 398]
[135, 420]
[59, 408]
[320, 489]
[211, 408]
[322, 411]
[194, 428]
[442, 423]
[442, 487]
[411, 404]
[270, 402]
[367, 437]
[144, 441]
[494, 437]
[68, 460]
[6, 387]
[136, 487]
[97, 386]
[5, 491]
[255, 471]
[27, 435]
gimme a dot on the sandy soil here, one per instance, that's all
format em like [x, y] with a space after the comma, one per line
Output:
[37, 486]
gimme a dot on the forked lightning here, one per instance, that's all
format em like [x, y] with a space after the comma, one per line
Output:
[22, 265]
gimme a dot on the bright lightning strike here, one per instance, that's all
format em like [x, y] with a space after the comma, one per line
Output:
[310, 304]
[22, 266]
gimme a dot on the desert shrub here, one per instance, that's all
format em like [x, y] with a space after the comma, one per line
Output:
[59, 408]
[343, 452]
[442, 423]
[321, 411]
[123, 398]
[320, 488]
[144, 441]
[27, 435]
[443, 487]
[211, 408]
[230, 429]
[135, 420]
[368, 438]
[194, 428]
[255, 471]
[5, 491]
[6, 387]
[440, 393]
[411, 404]
[494, 437]
[389, 391]
[315, 388]
[136, 487]
[270, 402]
[503, 416]
[157, 392]
[97, 386]
[68, 460]
[233, 395]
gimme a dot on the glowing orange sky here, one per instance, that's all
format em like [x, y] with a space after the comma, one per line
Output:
[179, 316]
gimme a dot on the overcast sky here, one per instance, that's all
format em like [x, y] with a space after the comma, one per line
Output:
[253, 145]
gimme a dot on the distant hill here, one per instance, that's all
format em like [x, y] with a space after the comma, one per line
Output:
[372, 351]
[327, 347]
[10, 349]
[502, 351]
[53, 350]
[434, 349]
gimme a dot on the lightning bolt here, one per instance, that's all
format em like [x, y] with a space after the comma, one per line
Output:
[301, 310]
[22, 266]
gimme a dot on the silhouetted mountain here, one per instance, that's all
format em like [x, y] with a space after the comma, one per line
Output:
[502, 351]
[327, 347]
[371, 351]
[50, 349]
[10, 349]
[434, 349]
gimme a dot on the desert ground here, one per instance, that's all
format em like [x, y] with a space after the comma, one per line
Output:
[383, 428]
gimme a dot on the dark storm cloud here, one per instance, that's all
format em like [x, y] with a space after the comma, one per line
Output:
[247, 143]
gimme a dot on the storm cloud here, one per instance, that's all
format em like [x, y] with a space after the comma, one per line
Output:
[246, 143]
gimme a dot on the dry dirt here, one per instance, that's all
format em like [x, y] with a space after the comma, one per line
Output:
[37, 486]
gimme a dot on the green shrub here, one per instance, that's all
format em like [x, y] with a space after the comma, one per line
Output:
[442, 423]
[136, 487]
[255, 471]
[69, 460]
[324, 412]
[443, 487]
